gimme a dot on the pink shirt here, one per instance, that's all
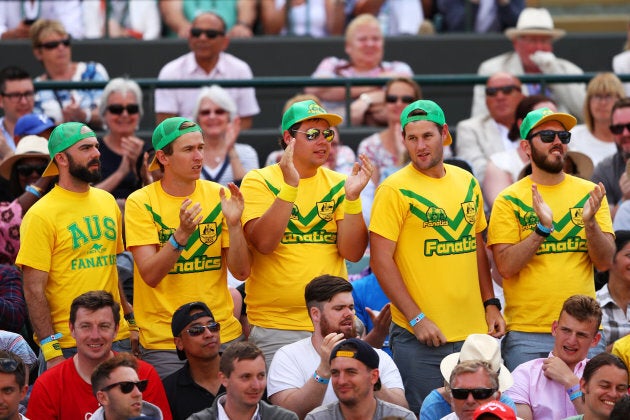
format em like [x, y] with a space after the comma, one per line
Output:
[548, 399]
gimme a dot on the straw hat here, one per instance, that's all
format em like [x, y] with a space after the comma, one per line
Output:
[29, 146]
[533, 21]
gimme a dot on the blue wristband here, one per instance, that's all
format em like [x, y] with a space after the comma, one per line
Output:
[51, 338]
[321, 380]
[543, 228]
[417, 319]
[32, 190]
[573, 389]
[575, 395]
[176, 245]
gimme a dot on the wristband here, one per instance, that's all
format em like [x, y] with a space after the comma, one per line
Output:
[321, 380]
[493, 301]
[287, 193]
[417, 319]
[33, 190]
[50, 338]
[131, 321]
[353, 206]
[542, 230]
[51, 350]
[573, 389]
[575, 395]
[176, 245]
[130, 317]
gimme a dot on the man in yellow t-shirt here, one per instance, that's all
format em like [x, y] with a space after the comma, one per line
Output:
[301, 220]
[184, 234]
[429, 256]
[69, 242]
[547, 232]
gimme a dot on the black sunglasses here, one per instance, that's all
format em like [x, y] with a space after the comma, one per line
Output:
[313, 134]
[206, 112]
[477, 393]
[118, 109]
[8, 365]
[210, 33]
[127, 386]
[405, 99]
[548, 136]
[51, 45]
[506, 90]
[194, 331]
[26, 170]
[618, 128]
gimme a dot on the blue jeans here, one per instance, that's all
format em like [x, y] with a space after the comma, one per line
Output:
[419, 365]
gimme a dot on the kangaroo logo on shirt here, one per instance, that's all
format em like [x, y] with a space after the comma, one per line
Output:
[470, 212]
[325, 209]
[295, 212]
[576, 216]
[208, 232]
[436, 216]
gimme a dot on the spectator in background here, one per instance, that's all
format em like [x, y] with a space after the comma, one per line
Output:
[364, 44]
[33, 125]
[479, 16]
[313, 18]
[397, 17]
[621, 62]
[471, 384]
[17, 16]
[120, 148]
[13, 312]
[17, 92]
[239, 16]
[52, 48]
[224, 160]
[594, 137]
[372, 307]
[127, 19]
[14, 385]
[532, 40]
[205, 61]
[621, 409]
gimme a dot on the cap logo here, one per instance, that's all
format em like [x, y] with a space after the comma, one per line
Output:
[345, 353]
[546, 112]
[315, 109]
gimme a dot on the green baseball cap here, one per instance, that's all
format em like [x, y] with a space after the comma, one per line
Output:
[542, 115]
[62, 137]
[307, 110]
[166, 133]
[433, 113]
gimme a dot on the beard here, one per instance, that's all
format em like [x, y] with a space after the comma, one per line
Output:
[82, 172]
[327, 328]
[545, 163]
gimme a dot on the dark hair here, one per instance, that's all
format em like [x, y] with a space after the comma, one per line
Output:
[621, 410]
[524, 107]
[12, 73]
[20, 371]
[323, 288]
[102, 371]
[601, 360]
[621, 103]
[95, 300]
[583, 308]
[622, 237]
[241, 350]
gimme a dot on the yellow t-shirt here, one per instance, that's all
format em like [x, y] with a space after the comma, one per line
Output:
[200, 274]
[621, 348]
[75, 237]
[434, 222]
[275, 288]
[561, 267]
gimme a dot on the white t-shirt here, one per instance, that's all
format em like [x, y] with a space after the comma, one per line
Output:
[584, 141]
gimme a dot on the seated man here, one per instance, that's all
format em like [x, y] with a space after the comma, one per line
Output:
[355, 377]
[299, 376]
[549, 387]
[472, 383]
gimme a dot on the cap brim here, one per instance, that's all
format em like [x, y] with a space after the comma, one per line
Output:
[332, 119]
[449, 362]
[553, 33]
[567, 120]
[449, 139]
[51, 169]
[154, 166]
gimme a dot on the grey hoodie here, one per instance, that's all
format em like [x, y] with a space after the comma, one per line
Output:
[149, 412]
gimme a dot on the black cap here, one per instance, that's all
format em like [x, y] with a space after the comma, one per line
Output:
[362, 351]
[182, 317]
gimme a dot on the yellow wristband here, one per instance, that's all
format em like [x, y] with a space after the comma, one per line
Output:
[287, 193]
[353, 206]
[51, 350]
[134, 327]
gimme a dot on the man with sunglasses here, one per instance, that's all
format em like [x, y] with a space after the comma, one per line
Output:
[480, 137]
[207, 60]
[301, 220]
[195, 386]
[16, 99]
[13, 385]
[548, 231]
[471, 384]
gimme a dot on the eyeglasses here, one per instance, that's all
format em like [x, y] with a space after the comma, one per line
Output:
[618, 128]
[127, 386]
[548, 136]
[213, 327]
[506, 90]
[313, 134]
[405, 99]
[605, 98]
[217, 112]
[26, 170]
[16, 96]
[118, 109]
[477, 393]
[51, 45]
[8, 365]
[210, 33]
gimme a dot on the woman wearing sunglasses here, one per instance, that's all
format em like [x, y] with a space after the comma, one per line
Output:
[224, 160]
[52, 47]
[121, 150]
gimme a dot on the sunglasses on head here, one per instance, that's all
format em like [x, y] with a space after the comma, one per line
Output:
[210, 33]
[206, 112]
[118, 109]
[51, 45]
[506, 90]
[26, 170]
[8, 365]
[548, 136]
[477, 393]
[127, 386]
[313, 134]
[405, 99]
[194, 331]
[618, 128]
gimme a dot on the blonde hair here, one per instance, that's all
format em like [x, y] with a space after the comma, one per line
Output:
[361, 20]
[602, 84]
[44, 27]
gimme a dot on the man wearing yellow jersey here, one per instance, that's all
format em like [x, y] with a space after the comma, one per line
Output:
[547, 232]
[301, 220]
[184, 234]
[70, 239]
[429, 256]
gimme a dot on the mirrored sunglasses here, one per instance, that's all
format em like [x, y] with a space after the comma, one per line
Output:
[506, 90]
[127, 386]
[405, 99]
[210, 33]
[118, 109]
[313, 134]
[51, 45]
[477, 393]
[618, 128]
[213, 327]
[548, 136]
